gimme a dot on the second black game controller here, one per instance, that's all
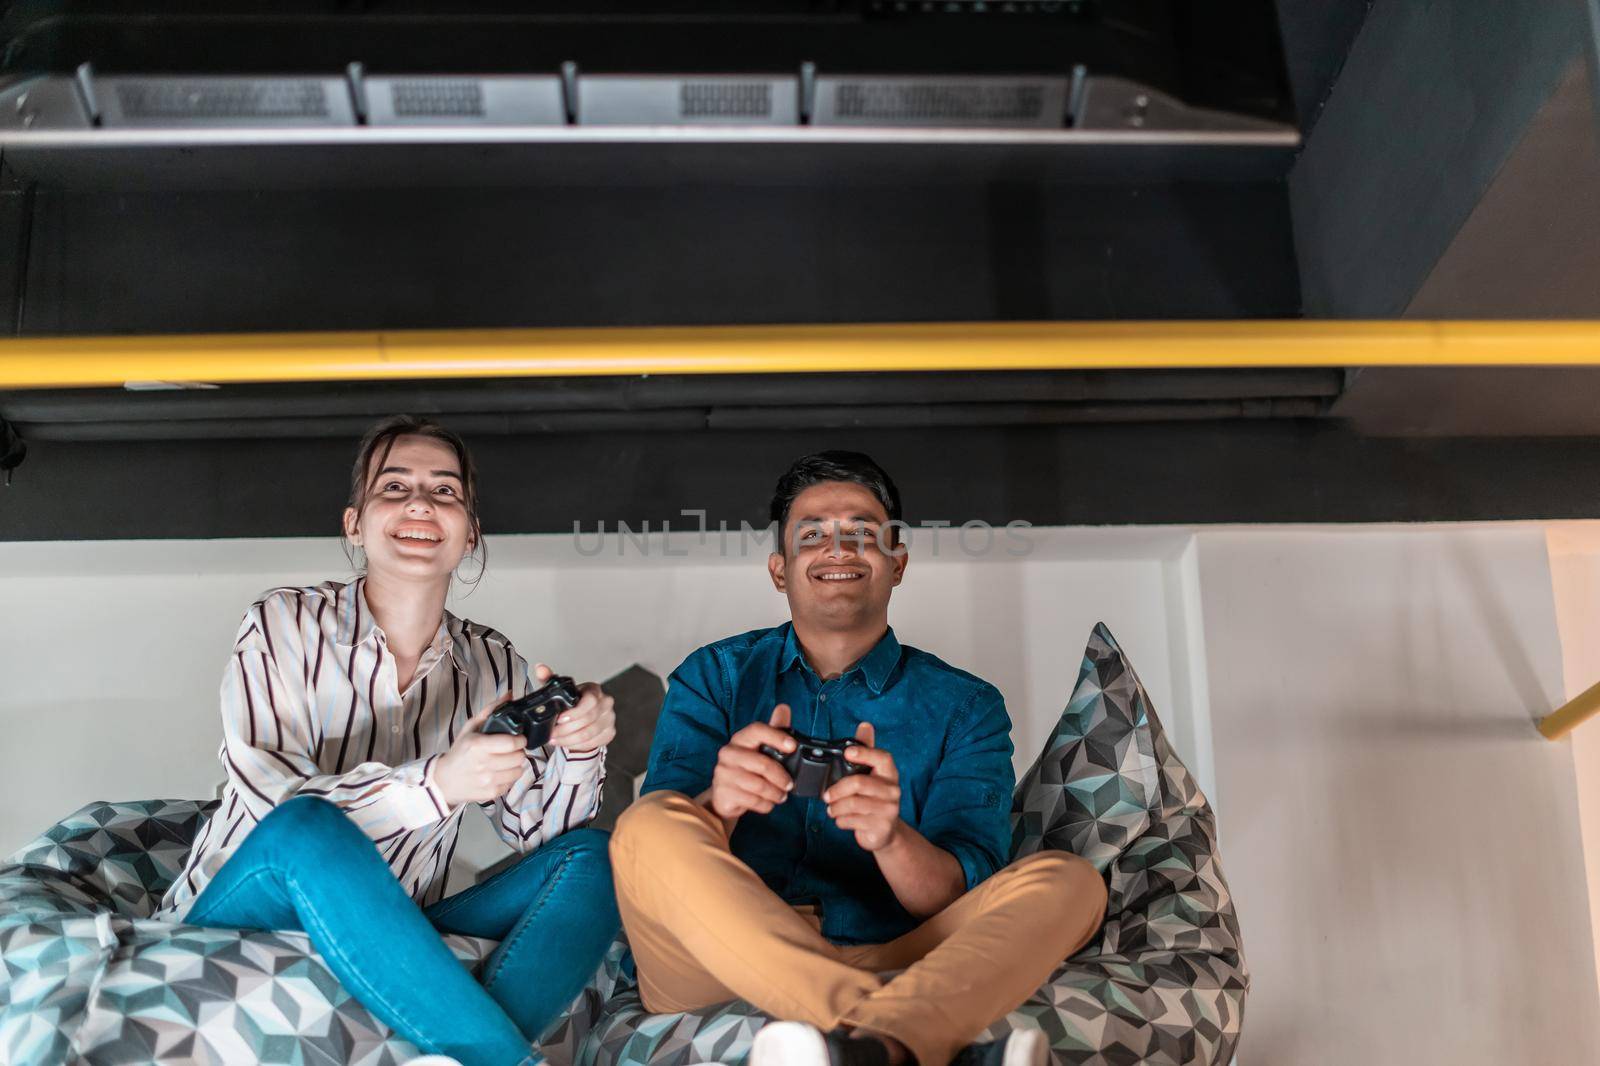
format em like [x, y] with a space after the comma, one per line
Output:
[534, 715]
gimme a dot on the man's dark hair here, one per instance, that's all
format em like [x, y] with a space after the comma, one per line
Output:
[834, 466]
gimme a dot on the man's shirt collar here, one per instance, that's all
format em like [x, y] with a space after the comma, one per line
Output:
[876, 666]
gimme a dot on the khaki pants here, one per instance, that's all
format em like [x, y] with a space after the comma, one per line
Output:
[704, 929]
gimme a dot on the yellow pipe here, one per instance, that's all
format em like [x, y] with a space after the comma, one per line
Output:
[233, 358]
[1571, 714]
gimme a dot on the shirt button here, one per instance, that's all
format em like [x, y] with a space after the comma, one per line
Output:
[823, 697]
[394, 729]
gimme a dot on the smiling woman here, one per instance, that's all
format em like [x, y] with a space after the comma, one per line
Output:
[352, 722]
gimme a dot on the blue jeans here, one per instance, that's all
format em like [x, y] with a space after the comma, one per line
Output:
[306, 866]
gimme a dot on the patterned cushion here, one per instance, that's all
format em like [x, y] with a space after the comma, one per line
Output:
[1097, 784]
[1164, 983]
[88, 977]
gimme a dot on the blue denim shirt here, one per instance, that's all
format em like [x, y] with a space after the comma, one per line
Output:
[947, 730]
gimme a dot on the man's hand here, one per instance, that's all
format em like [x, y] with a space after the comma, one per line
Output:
[746, 780]
[924, 877]
[590, 725]
[480, 766]
[868, 804]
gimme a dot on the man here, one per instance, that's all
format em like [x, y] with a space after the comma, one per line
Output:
[730, 887]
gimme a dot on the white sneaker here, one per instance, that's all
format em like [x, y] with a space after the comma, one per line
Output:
[789, 1044]
[799, 1044]
[1020, 1047]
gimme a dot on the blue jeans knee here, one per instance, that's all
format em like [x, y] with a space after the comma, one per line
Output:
[306, 828]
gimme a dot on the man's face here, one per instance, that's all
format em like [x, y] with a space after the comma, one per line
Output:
[832, 566]
[413, 523]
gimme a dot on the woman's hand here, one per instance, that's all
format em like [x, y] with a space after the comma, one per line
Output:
[480, 766]
[588, 726]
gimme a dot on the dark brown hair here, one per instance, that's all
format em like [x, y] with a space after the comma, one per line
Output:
[815, 469]
[374, 451]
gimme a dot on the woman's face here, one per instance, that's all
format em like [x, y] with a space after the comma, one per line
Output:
[413, 523]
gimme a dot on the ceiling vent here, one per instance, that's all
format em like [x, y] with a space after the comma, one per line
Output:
[223, 101]
[674, 100]
[423, 100]
[1027, 103]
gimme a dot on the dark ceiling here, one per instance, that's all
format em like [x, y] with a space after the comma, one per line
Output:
[1317, 35]
[188, 244]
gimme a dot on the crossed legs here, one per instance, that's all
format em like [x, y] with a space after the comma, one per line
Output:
[704, 928]
[306, 866]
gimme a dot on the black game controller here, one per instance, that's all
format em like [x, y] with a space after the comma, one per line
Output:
[815, 764]
[534, 715]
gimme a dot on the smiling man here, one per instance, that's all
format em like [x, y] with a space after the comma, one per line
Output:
[733, 886]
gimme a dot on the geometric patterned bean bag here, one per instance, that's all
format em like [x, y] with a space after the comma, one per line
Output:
[1164, 982]
[87, 976]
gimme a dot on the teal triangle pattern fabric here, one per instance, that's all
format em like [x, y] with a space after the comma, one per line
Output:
[88, 977]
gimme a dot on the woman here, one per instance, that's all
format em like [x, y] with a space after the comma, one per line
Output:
[351, 741]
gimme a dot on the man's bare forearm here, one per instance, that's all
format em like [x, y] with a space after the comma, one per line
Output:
[925, 878]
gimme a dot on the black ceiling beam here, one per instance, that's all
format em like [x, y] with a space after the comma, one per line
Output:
[664, 391]
[689, 254]
[1246, 472]
[676, 402]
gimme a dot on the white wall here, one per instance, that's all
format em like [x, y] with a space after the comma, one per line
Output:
[1403, 845]
[110, 685]
[1575, 573]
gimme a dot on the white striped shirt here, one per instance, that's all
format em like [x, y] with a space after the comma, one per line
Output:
[311, 707]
